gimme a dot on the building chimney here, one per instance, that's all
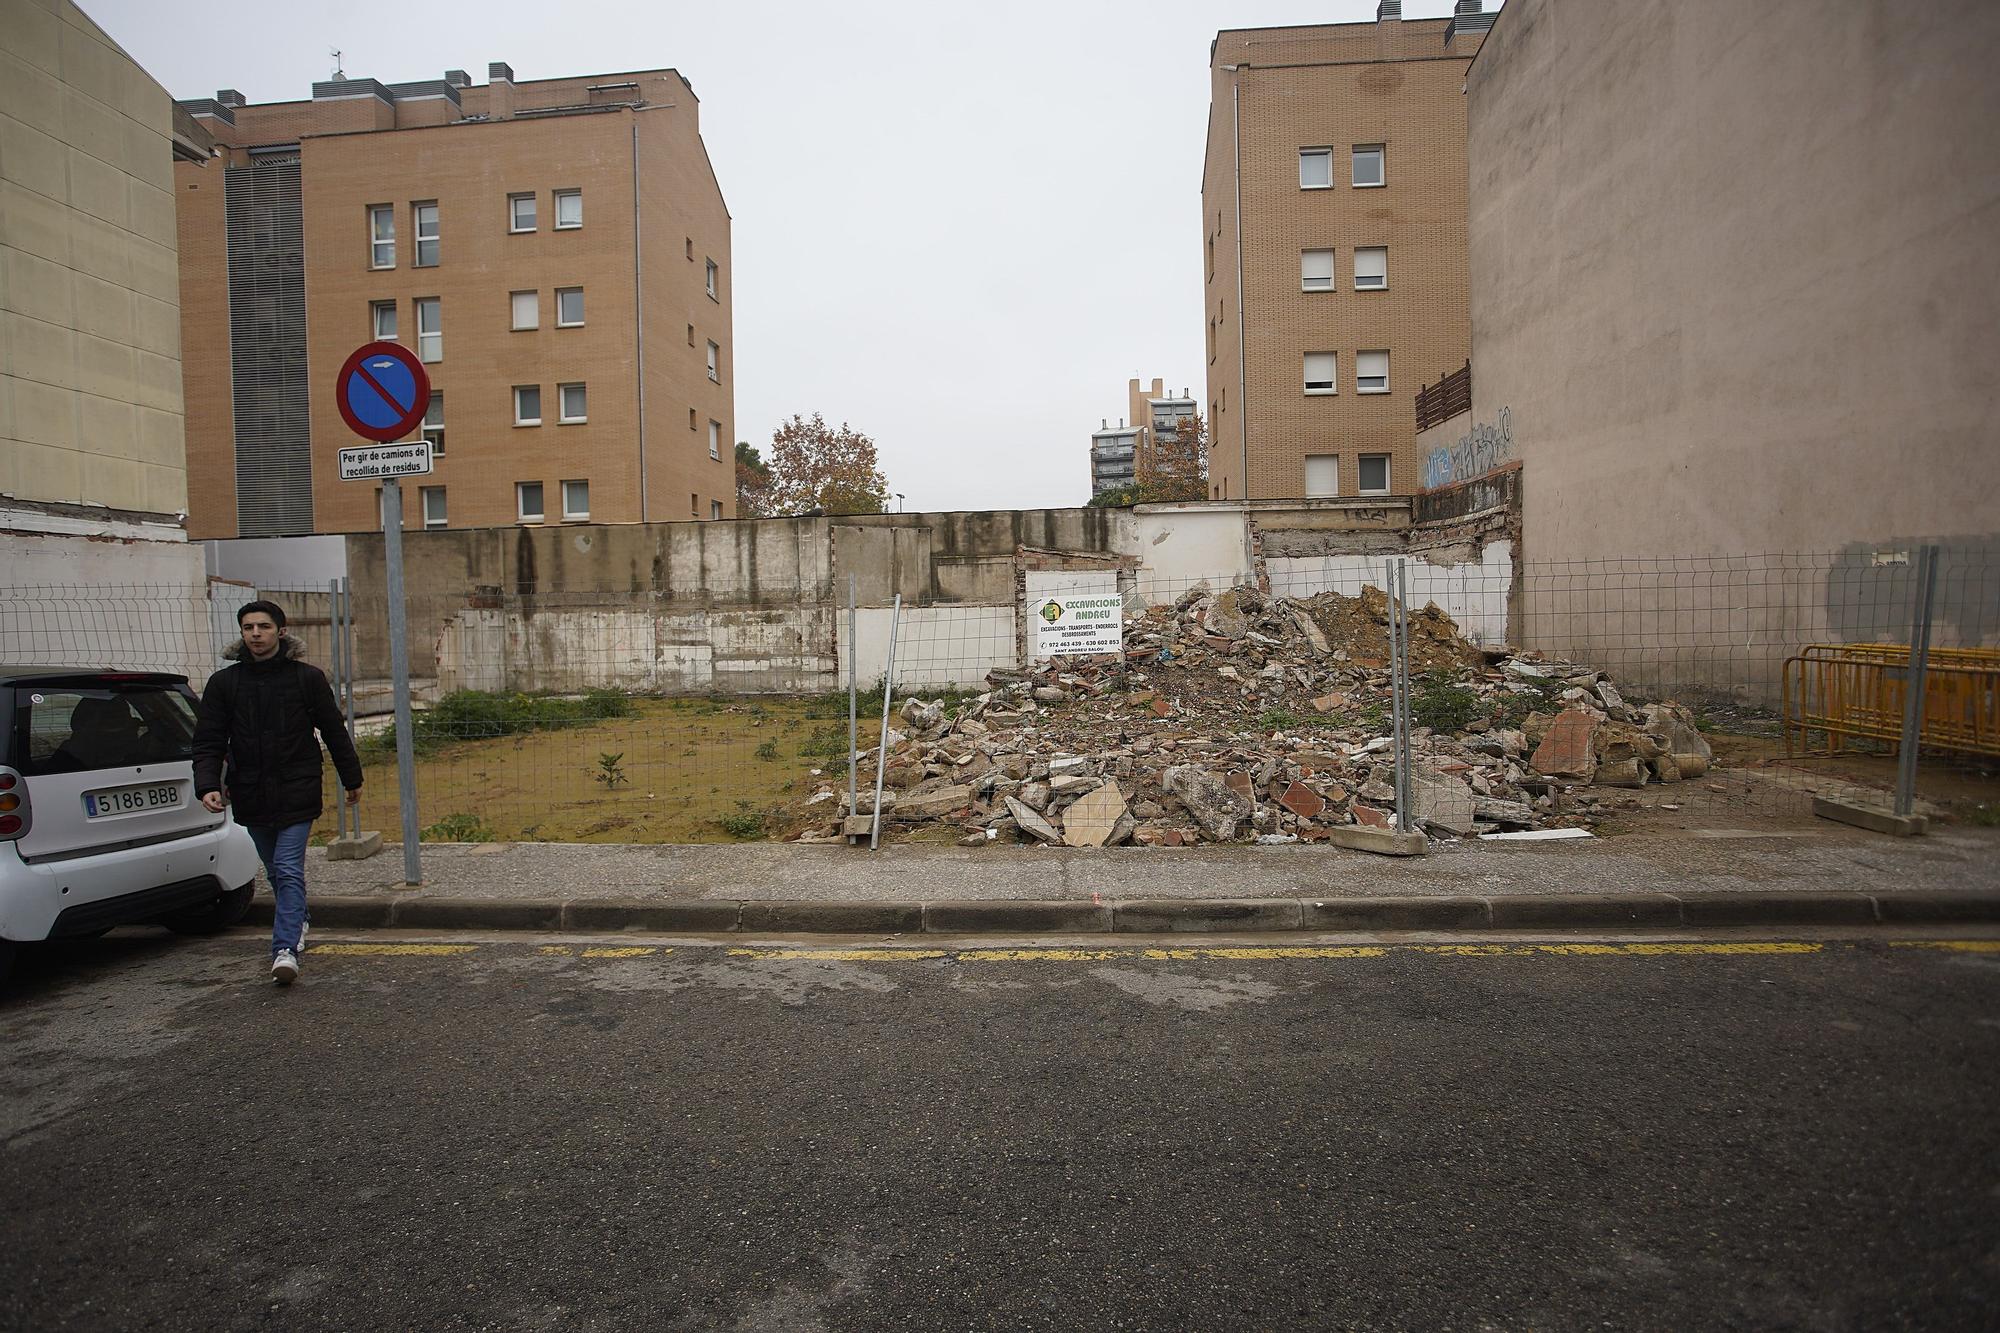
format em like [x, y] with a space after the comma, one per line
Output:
[1468, 18]
[458, 78]
[1104, 423]
[499, 91]
[1389, 11]
[229, 97]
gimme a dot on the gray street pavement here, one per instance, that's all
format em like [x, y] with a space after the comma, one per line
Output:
[538, 1132]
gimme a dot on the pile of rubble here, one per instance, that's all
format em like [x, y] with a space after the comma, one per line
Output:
[1238, 715]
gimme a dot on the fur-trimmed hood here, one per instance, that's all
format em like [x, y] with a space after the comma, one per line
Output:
[289, 650]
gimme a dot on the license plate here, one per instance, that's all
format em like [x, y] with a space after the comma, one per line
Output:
[131, 800]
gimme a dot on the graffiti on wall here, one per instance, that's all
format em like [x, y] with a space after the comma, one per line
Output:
[1486, 446]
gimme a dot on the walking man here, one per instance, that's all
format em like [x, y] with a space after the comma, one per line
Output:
[258, 716]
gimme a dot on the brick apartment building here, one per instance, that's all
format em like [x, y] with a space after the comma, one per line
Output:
[556, 250]
[1337, 154]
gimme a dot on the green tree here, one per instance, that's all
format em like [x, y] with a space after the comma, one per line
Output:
[753, 482]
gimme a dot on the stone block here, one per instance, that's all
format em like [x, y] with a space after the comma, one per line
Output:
[354, 847]
[1871, 818]
[1381, 841]
[1095, 815]
[1568, 750]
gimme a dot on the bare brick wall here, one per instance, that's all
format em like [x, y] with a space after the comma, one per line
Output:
[1397, 84]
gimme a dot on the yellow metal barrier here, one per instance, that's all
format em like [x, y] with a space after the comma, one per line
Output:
[1840, 692]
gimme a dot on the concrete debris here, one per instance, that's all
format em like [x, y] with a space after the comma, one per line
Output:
[1240, 715]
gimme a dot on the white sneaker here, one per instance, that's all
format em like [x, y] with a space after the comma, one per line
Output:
[285, 967]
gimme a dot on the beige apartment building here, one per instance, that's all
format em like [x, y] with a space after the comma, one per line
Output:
[92, 482]
[1334, 238]
[1119, 453]
[557, 253]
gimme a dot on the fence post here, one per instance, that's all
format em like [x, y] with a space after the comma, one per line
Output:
[1394, 584]
[853, 685]
[1913, 683]
[888, 689]
[335, 660]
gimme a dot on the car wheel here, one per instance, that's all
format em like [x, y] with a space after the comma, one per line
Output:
[219, 913]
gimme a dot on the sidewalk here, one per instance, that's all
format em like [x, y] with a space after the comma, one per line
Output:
[1814, 875]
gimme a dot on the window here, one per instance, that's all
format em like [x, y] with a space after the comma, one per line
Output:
[1322, 475]
[569, 307]
[691, 420]
[527, 310]
[1367, 164]
[1315, 270]
[425, 216]
[715, 363]
[1211, 259]
[570, 402]
[711, 277]
[1211, 340]
[381, 236]
[528, 501]
[569, 209]
[1322, 370]
[527, 404]
[694, 505]
[382, 315]
[1371, 372]
[434, 422]
[1374, 475]
[715, 509]
[576, 500]
[100, 726]
[690, 335]
[430, 329]
[1371, 267]
[1315, 168]
[690, 247]
[433, 506]
[715, 439]
[520, 212]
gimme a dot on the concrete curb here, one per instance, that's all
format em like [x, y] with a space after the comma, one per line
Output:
[1155, 916]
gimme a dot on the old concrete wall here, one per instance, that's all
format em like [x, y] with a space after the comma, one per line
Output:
[103, 602]
[1732, 271]
[761, 606]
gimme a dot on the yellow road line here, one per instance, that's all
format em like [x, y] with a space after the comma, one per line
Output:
[395, 950]
[1949, 946]
[623, 951]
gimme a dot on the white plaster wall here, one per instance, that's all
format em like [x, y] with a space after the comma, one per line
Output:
[79, 601]
[935, 646]
[1472, 593]
[1179, 547]
[279, 562]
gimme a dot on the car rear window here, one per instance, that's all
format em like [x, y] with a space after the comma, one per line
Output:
[76, 728]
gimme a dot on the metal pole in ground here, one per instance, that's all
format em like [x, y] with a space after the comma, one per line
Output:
[347, 656]
[853, 695]
[1914, 681]
[399, 671]
[888, 689]
[336, 666]
[1403, 764]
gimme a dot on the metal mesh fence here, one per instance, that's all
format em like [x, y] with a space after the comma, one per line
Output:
[1252, 703]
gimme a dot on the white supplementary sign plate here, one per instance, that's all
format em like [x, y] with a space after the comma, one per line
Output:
[1078, 623]
[377, 461]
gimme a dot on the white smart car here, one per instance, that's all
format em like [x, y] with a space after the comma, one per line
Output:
[99, 825]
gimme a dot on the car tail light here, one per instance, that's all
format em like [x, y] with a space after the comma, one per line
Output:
[15, 814]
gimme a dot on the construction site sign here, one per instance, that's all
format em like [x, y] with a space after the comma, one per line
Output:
[1078, 623]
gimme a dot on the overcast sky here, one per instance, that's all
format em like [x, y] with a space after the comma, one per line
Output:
[959, 228]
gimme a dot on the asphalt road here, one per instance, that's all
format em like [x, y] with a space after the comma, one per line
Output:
[516, 1133]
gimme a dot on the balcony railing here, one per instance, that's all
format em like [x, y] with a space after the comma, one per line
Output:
[1445, 399]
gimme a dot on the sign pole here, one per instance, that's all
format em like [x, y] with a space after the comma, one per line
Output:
[399, 670]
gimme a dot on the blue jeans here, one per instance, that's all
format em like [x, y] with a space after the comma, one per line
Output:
[283, 849]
